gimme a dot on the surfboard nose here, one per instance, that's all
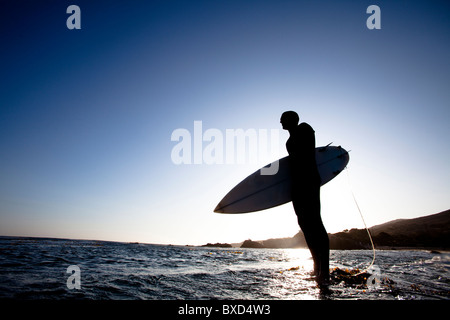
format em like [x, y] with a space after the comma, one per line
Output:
[218, 209]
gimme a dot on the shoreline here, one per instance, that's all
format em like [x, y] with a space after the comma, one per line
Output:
[437, 250]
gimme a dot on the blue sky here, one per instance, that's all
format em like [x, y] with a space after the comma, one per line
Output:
[86, 116]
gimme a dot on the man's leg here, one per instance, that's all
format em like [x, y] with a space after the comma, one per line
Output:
[308, 214]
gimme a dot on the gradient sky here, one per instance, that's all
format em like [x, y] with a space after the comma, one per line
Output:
[86, 116]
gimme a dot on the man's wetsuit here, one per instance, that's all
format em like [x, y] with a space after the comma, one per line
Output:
[306, 196]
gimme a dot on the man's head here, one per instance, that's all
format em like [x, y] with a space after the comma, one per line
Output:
[289, 120]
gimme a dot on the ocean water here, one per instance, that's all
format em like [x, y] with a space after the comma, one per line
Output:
[32, 268]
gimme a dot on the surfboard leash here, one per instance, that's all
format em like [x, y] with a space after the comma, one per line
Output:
[365, 225]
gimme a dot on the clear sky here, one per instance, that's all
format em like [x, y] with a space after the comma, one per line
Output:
[86, 116]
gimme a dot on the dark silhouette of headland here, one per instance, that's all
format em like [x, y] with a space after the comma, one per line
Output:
[429, 232]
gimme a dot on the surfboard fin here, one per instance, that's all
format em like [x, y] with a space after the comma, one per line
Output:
[344, 153]
[325, 147]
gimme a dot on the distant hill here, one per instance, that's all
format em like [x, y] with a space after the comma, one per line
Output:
[431, 232]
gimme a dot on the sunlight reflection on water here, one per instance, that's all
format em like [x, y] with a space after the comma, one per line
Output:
[286, 272]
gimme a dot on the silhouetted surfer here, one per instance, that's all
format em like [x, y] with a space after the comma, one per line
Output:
[306, 191]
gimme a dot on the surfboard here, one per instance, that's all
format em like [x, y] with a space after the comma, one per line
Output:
[259, 192]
